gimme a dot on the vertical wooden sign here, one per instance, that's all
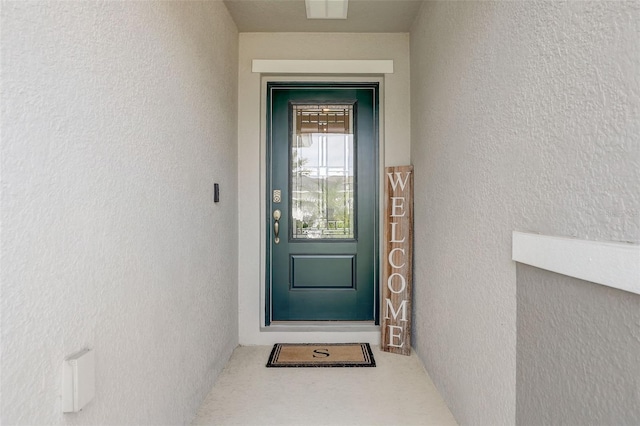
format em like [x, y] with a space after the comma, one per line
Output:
[397, 272]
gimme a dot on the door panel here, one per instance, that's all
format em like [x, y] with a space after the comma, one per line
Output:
[322, 202]
[307, 271]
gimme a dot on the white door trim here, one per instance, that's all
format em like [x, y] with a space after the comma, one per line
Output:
[334, 332]
[322, 66]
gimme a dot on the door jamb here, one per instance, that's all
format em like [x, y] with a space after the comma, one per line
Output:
[316, 326]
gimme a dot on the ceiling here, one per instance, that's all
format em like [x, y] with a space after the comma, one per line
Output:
[364, 16]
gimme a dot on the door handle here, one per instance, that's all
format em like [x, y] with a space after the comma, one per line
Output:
[276, 225]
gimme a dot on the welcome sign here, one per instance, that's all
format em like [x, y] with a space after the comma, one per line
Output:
[397, 273]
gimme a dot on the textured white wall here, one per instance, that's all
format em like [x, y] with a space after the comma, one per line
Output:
[525, 116]
[396, 146]
[578, 352]
[117, 118]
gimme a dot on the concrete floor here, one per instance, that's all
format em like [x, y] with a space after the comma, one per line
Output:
[396, 392]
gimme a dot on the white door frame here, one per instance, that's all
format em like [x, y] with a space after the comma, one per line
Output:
[347, 327]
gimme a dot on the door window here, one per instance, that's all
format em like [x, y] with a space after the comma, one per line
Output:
[322, 172]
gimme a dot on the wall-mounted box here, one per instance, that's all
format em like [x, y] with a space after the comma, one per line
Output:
[79, 381]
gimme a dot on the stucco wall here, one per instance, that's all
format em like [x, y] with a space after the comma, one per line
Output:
[525, 117]
[395, 141]
[578, 352]
[117, 119]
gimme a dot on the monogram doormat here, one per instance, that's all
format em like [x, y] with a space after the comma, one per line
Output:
[321, 355]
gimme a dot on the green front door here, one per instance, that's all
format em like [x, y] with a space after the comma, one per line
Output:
[322, 202]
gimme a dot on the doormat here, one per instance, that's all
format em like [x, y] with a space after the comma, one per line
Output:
[321, 355]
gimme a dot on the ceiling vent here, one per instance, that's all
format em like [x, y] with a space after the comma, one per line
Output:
[327, 9]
